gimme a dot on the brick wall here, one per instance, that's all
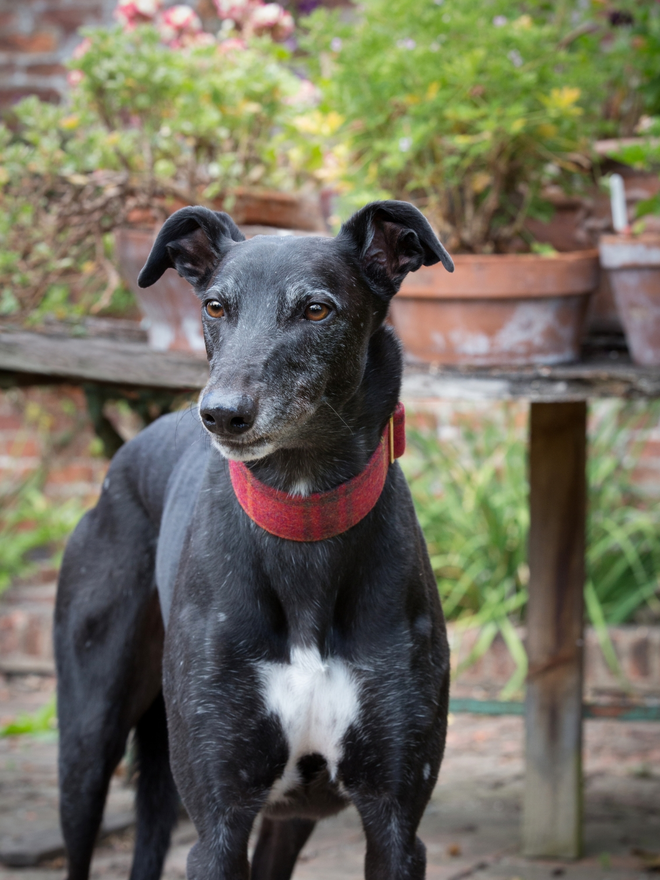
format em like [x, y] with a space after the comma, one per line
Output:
[49, 427]
[36, 37]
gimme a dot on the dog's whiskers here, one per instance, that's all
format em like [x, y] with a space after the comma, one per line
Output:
[342, 420]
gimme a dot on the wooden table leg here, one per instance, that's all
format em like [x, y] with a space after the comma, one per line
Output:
[552, 815]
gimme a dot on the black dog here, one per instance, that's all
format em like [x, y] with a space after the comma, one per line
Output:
[296, 675]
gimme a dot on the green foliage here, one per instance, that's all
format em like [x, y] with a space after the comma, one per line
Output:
[43, 721]
[147, 127]
[469, 108]
[646, 29]
[623, 550]
[32, 525]
[644, 154]
[472, 500]
[206, 117]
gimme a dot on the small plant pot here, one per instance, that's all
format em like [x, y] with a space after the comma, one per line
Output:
[633, 263]
[497, 309]
[171, 309]
[248, 207]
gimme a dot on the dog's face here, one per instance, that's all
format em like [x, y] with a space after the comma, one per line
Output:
[287, 320]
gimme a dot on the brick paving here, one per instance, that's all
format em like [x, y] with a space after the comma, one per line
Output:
[471, 827]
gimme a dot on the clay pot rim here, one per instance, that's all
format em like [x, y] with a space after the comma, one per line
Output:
[499, 259]
[624, 251]
[491, 277]
[630, 238]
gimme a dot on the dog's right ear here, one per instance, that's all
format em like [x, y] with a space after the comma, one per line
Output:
[391, 239]
[192, 241]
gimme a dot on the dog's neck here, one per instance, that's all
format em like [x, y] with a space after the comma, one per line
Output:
[339, 441]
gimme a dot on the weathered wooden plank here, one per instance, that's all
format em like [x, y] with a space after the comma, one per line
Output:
[130, 362]
[570, 382]
[553, 708]
[100, 360]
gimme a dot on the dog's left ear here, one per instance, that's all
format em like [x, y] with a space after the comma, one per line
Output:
[192, 241]
[392, 239]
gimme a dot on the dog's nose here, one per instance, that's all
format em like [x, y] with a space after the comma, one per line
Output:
[228, 415]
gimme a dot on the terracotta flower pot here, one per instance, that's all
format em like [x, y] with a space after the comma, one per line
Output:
[497, 309]
[279, 209]
[633, 262]
[248, 206]
[172, 310]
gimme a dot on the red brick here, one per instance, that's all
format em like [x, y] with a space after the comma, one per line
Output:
[25, 447]
[33, 638]
[640, 665]
[11, 630]
[72, 473]
[72, 18]
[9, 97]
[10, 420]
[41, 41]
[651, 450]
[45, 69]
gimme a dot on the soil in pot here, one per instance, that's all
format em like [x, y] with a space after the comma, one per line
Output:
[633, 262]
[497, 309]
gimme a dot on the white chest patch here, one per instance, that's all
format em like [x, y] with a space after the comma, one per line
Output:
[315, 701]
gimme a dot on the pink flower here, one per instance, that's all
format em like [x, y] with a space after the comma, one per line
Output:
[200, 40]
[82, 47]
[233, 44]
[237, 11]
[308, 95]
[130, 13]
[75, 77]
[274, 19]
[177, 24]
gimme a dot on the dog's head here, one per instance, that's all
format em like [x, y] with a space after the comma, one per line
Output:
[287, 320]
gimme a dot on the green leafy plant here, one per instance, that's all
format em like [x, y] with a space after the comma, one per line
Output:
[160, 115]
[32, 524]
[643, 154]
[472, 500]
[645, 17]
[43, 721]
[470, 109]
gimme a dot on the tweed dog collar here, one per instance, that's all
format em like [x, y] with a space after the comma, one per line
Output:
[324, 514]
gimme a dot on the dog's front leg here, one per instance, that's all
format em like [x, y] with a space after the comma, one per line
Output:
[394, 852]
[221, 852]
[390, 771]
[225, 750]
[223, 776]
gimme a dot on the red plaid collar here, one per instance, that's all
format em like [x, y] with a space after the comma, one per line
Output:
[324, 514]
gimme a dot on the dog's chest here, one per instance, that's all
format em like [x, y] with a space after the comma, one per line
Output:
[315, 701]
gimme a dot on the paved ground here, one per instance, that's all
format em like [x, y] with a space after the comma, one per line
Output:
[471, 827]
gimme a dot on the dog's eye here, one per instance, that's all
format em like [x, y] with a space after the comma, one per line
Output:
[317, 311]
[214, 309]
